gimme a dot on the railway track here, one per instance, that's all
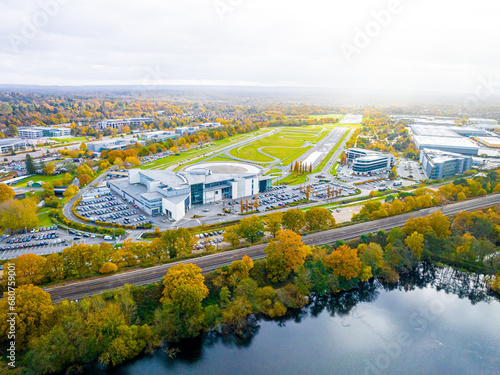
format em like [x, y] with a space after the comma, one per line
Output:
[208, 263]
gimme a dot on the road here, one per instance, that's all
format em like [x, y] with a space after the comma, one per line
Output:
[79, 289]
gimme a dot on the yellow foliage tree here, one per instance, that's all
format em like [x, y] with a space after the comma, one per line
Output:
[183, 274]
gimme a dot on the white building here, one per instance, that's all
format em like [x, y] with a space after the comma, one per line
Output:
[458, 145]
[158, 136]
[174, 193]
[9, 144]
[366, 161]
[33, 132]
[187, 130]
[120, 123]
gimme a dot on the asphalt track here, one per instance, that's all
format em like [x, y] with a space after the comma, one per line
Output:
[79, 289]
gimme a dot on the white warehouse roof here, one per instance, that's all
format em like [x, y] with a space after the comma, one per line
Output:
[459, 144]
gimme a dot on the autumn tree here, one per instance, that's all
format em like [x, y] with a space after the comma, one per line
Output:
[273, 222]
[181, 315]
[319, 218]
[132, 160]
[415, 243]
[231, 235]
[6, 193]
[49, 170]
[84, 179]
[344, 262]
[71, 191]
[251, 228]
[33, 314]
[18, 215]
[108, 267]
[293, 220]
[284, 255]
[29, 269]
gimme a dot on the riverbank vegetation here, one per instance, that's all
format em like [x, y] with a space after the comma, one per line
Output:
[118, 325]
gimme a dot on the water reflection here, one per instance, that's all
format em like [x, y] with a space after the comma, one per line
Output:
[339, 334]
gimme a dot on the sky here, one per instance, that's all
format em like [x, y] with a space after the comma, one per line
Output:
[402, 45]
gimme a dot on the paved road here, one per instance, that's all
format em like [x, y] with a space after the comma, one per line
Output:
[79, 289]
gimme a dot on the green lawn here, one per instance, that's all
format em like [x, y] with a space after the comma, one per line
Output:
[43, 218]
[293, 180]
[273, 171]
[283, 145]
[197, 154]
[38, 178]
[71, 140]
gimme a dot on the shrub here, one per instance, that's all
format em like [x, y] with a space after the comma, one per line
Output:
[108, 267]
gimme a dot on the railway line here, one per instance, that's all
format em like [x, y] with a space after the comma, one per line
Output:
[208, 263]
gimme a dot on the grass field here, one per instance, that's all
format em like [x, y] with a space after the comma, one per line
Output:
[287, 145]
[71, 140]
[196, 156]
[43, 218]
[38, 179]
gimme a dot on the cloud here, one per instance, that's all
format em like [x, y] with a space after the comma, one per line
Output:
[433, 46]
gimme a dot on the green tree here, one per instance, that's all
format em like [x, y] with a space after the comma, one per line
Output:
[273, 222]
[177, 242]
[251, 228]
[319, 218]
[30, 165]
[294, 220]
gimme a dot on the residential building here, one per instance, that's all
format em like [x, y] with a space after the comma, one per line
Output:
[440, 164]
[174, 193]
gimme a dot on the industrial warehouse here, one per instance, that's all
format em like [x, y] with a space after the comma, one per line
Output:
[174, 193]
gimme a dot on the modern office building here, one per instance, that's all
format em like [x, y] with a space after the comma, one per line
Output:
[211, 125]
[440, 164]
[113, 144]
[33, 132]
[459, 145]
[158, 136]
[187, 130]
[120, 123]
[367, 161]
[174, 193]
[9, 144]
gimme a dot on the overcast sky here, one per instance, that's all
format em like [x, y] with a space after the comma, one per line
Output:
[423, 45]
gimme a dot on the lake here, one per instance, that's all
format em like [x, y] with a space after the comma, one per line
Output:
[435, 321]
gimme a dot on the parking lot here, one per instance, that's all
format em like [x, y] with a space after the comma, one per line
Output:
[209, 238]
[410, 169]
[43, 241]
[109, 208]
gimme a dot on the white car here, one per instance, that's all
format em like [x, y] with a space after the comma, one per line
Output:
[108, 238]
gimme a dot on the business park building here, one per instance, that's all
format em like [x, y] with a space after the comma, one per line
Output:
[175, 193]
[440, 164]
